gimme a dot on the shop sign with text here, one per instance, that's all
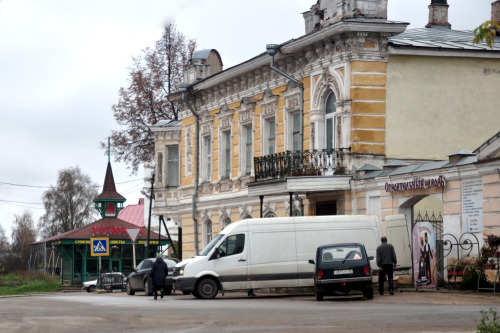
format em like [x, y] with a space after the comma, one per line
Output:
[111, 230]
[416, 184]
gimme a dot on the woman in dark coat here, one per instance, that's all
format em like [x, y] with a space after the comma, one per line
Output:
[158, 274]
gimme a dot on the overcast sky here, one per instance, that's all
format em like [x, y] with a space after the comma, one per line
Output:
[62, 63]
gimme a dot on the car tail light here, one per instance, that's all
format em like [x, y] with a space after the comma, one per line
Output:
[320, 273]
[366, 270]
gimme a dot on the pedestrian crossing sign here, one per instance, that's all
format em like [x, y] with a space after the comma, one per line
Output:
[99, 246]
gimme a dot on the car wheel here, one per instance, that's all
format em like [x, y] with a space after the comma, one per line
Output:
[167, 291]
[207, 288]
[130, 291]
[148, 288]
[90, 289]
[368, 292]
[319, 297]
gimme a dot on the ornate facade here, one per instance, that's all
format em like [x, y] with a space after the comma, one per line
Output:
[239, 129]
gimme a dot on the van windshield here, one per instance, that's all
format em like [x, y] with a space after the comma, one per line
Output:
[211, 245]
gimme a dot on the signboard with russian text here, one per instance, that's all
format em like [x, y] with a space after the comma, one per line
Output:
[472, 205]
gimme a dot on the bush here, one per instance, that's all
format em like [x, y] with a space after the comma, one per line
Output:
[487, 324]
[24, 282]
[469, 280]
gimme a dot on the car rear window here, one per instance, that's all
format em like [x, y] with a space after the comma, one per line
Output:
[350, 252]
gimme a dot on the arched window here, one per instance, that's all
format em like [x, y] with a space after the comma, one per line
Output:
[207, 231]
[270, 214]
[225, 222]
[330, 121]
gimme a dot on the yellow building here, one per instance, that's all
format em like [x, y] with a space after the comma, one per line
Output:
[316, 125]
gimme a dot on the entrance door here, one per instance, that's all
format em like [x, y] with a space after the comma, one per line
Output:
[232, 262]
[326, 208]
[116, 265]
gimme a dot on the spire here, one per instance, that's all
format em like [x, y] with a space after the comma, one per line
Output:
[109, 202]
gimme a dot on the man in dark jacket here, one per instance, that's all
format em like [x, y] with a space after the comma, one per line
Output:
[158, 274]
[386, 261]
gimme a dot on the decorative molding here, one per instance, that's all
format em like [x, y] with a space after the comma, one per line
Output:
[269, 104]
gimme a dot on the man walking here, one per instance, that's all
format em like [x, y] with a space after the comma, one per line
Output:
[158, 274]
[386, 262]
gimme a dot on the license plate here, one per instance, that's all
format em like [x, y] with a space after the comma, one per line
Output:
[342, 271]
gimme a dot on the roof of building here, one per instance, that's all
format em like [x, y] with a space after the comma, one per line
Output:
[109, 189]
[167, 123]
[439, 38]
[112, 227]
[491, 148]
[133, 213]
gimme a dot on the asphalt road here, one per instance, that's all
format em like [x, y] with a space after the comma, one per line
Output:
[235, 312]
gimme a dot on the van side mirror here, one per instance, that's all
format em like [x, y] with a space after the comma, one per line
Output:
[215, 255]
[311, 262]
[371, 258]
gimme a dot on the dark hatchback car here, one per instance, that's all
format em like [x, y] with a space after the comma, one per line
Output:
[340, 268]
[139, 279]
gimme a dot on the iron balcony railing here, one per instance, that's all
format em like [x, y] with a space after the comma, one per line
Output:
[300, 163]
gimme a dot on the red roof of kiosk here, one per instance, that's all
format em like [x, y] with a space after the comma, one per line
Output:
[111, 227]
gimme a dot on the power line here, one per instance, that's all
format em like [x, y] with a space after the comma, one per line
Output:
[48, 187]
[22, 204]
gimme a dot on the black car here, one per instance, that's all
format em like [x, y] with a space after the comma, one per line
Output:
[341, 268]
[139, 279]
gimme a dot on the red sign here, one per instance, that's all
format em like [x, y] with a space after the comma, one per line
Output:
[111, 230]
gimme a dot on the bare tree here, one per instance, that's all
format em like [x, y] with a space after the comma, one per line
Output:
[69, 205]
[23, 235]
[4, 250]
[152, 77]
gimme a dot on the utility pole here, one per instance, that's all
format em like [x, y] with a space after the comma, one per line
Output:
[151, 197]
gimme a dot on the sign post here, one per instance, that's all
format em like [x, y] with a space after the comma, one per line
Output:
[133, 233]
[99, 247]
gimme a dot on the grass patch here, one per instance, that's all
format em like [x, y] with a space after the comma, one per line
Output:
[23, 282]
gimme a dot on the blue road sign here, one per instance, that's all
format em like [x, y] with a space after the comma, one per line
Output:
[99, 246]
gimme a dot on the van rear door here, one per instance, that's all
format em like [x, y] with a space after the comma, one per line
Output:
[396, 230]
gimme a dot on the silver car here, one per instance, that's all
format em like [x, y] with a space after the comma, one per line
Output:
[114, 280]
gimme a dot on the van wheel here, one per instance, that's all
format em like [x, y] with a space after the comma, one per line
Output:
[167, 291]
[185, 292]
[319, 297]
[368, 292]
[207, 288]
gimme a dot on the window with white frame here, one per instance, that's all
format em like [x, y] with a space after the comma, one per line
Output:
[207, 231]
[246, 149]
[330, 122]
[226, 154]
[159, 167]
[269, 137]
[173, 165]
[225, 222]
[295, 131]
[206, 158]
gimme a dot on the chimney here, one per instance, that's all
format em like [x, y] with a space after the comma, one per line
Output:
[495, 11]
[438, 15]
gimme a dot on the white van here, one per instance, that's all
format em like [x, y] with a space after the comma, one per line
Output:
[272, 252]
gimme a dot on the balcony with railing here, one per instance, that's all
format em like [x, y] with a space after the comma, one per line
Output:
[300, 163]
